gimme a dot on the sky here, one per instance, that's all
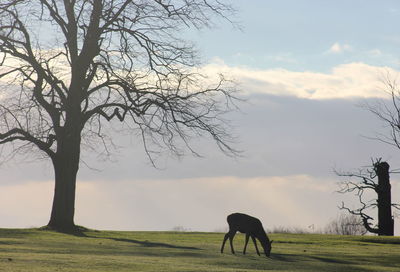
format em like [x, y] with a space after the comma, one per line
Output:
[306, 68]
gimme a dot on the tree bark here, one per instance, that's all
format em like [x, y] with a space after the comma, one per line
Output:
[63, 209]
[385, 220]
[66, 165]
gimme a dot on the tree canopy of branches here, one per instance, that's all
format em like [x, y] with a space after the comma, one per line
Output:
[366, 181]
[69, 67]
[388, 111]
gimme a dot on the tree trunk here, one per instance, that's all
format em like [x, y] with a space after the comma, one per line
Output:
[66, 165]
[385, 220]
[63, 210]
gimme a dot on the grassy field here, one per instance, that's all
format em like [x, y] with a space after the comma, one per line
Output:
[39, 250]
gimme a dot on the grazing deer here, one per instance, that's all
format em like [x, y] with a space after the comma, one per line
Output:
[252, 227]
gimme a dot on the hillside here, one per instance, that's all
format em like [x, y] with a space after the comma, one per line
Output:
[39, 250]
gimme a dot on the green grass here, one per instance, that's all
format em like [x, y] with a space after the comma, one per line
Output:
[39, 250]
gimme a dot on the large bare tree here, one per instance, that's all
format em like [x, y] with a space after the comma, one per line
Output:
[374, 179]
[69, 68]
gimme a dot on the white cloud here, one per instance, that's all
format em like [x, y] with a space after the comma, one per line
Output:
[25, 205]
[197, 204]
[339, 48]
[344, 81]
[349, 80]
[375, 52]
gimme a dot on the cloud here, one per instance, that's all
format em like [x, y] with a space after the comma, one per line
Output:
[199, 204]
[196, 204]
[349, 80]
[337, 48]
[343, 81]
[25, 205]
[375, 52]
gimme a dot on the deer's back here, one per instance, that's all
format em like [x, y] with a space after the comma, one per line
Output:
[244, 223]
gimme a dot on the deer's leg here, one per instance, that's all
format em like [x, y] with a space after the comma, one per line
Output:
[246, 242]
[223, 242]
[231, 236]
[255, 244]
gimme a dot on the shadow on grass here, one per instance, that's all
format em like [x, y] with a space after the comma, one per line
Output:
[389, 241]
[152, 244]
[283, 257]
[78, 231]
[294, 242]
[10, 233]
[331, 260]
[296, 257]
[291, 262]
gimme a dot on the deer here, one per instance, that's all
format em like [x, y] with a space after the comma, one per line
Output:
[252, 227]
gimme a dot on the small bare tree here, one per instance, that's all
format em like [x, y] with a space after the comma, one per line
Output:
[70, 67]
[366, 180]
[346, 224]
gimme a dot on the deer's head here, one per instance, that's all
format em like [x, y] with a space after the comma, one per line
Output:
[267, 248]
